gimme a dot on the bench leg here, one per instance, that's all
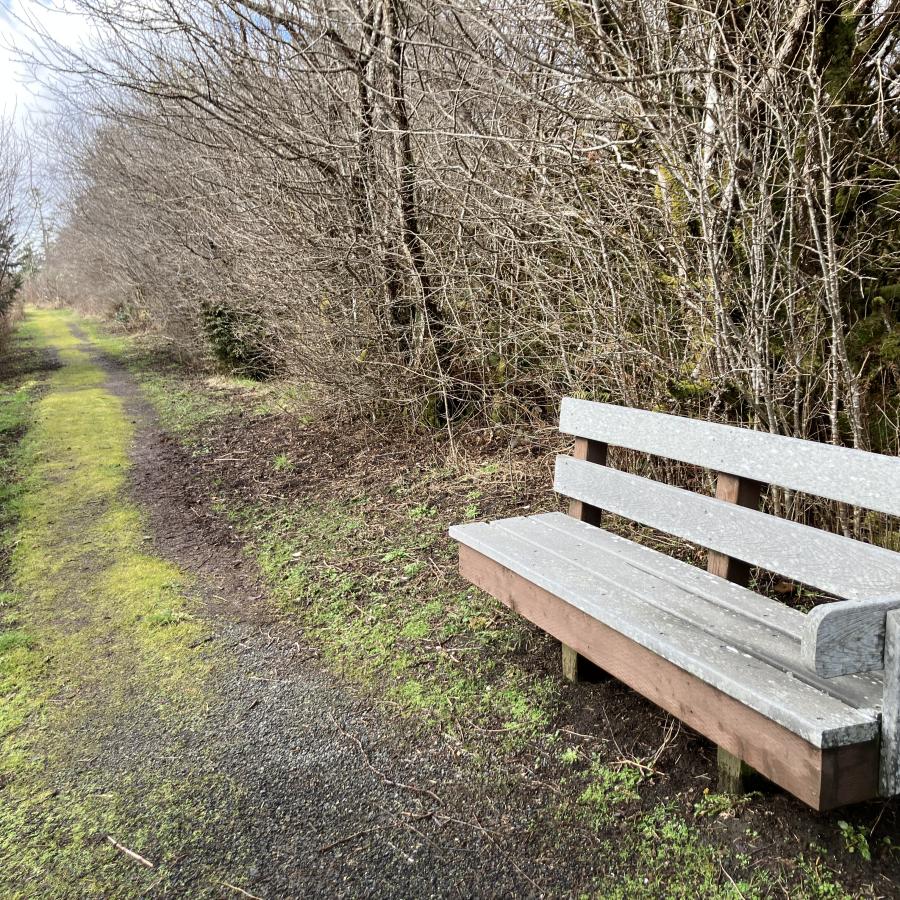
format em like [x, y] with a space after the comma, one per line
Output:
[890, 713]
[576, 667]
[732, 772]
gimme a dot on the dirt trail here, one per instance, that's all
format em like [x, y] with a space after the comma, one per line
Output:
[187, 722]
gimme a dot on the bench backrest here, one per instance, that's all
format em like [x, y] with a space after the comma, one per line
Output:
[843, 637]
[870, 480]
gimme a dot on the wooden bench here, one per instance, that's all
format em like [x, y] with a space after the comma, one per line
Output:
[812, 702]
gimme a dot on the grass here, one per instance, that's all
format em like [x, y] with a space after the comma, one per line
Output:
[367, 581]
[672, 861]
[90, 622]
[363, 600]
[609, 788]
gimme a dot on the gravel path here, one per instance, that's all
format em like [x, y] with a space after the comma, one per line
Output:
[316, 791]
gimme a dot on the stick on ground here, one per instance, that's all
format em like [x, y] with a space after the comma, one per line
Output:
[135, 856]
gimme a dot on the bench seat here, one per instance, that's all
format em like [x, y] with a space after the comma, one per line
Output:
[740, 642]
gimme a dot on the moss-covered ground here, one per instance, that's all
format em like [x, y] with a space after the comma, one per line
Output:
[96, 633]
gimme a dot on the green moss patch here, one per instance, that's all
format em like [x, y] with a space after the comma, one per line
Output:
[93, 628]
[361, 593]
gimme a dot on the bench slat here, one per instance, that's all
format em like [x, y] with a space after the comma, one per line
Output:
[762, 627]
[817, 717]
[847, 568]
[870, 480]
[701, 584]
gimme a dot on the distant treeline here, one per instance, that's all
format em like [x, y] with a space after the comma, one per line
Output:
[15, 256]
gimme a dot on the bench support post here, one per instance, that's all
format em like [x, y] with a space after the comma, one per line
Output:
[743, 492]
[574, 666]
[889, 782]
[593, 452]
[732, 772]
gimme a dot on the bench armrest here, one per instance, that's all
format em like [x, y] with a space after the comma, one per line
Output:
[846, 637]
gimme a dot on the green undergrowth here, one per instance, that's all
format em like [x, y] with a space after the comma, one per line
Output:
[436, 650]
[93, 628]
[663, 855]
[370, 579]
[662, 850]
[186, 399]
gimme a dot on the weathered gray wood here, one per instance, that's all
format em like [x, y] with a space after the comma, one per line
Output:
[748, 621]
[575, 667]
[889, 781]
[846, 637]
[817, 717]
[841, 566]
[682, 588]
[852, 476]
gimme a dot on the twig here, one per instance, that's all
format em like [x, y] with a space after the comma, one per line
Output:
[589, 737]
[326, 847]
[204, 640]
[135, 856]
[635, 764]
[740, 893]
[234, 887]
[515, 865]
[380, 774]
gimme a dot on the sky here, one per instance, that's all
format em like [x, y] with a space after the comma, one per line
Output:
[26, 101]
[21, 94]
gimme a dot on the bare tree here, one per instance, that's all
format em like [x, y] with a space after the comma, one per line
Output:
[475, 207]
[13, 216]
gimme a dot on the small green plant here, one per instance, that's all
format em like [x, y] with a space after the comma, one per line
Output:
[818, 880]
[422, 511]
[570, 756]
[161, 618]
[12, 640]
[712, 804]
[610, 787]
[416, 629]
[281, 462]
[471, 511]
[855, 839]
[393, 555]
